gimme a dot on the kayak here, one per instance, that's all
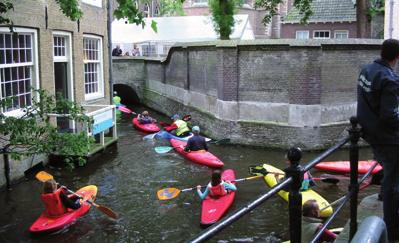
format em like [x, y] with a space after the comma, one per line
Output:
[149, 128]
[168, 136]
[45, 224]
[271, 181]
[214, 208]
[344, 166]
[199, 157]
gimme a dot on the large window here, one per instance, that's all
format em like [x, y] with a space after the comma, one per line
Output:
[302, 34]
[321, 34]
[92, 54]
[17, 68]
[148, 50]
[341, 34]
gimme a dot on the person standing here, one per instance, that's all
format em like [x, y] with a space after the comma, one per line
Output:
[117, 51]
[378, 115]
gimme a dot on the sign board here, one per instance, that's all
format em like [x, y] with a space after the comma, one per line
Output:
[97, 3]
[102, 121]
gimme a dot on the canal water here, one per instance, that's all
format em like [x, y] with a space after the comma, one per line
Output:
[128, 178]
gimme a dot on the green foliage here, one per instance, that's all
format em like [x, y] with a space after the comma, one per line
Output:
[34, 131]
[5, 6]
[127, 9]
[171, 8]
[271, 6]
[70, 8]
[377, 7]
[223, 16]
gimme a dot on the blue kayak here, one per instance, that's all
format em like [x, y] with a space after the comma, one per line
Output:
[166, 135]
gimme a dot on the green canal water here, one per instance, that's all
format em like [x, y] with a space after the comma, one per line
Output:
[128, 178]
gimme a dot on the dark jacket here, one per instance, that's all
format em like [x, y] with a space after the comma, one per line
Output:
[378, 101]
[117, 52]
[196, 143]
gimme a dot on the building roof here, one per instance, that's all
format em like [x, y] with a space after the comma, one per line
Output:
[326, 11]
[178, 29]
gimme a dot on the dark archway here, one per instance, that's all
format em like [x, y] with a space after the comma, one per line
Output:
[127, 94]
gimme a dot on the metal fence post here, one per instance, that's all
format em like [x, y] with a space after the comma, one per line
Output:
[295, 197]
[354, 134]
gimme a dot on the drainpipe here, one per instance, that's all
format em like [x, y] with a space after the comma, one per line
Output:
[109, 30]
[390, 30]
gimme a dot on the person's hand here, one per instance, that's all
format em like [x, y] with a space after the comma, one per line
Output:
[199, 187]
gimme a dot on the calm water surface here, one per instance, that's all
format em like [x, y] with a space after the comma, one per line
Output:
[128, 178]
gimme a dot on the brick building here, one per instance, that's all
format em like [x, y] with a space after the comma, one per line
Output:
[331, 19]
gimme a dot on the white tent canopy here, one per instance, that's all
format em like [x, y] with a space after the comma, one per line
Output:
[178, 29]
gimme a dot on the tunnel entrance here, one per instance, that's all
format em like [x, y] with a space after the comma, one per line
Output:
[128, 94]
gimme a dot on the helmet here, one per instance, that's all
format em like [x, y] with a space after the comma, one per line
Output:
[195, 129]
[145, 113]
[175, 117]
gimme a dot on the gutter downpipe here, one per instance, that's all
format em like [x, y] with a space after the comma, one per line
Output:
[109, 30]
[391, 3]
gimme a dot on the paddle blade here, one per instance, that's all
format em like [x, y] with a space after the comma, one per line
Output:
[125, 109]
[107, 211]
[257, 170]
[150, 136]
[43, 176]
[163, 149]
[168, 193]
[329, 180]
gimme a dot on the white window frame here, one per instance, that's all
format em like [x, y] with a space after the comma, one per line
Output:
[97, 3]
[100, 92]
[341, 31]
[321, 38]
[301, 31]
[35, 82]
[67, 58]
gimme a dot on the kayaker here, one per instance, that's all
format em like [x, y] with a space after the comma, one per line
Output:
[196, 142]
[55, 200]
[116, 99]
[378, 115]
[307, 182]
[144, 118]
[178, 127]
[311, 223]
[216, 187]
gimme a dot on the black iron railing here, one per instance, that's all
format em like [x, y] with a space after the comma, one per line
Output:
[293, 180]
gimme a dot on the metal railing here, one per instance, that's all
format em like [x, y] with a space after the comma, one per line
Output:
[293, 179]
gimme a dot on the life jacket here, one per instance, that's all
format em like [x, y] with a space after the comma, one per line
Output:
[53, 203]
[218, 190]
[181, 127]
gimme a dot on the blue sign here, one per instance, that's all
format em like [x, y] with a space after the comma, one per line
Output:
[102, 122]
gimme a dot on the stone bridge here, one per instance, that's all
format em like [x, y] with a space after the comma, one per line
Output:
[275, 93]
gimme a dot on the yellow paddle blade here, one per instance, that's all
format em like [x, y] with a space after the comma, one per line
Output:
[44, 176]
[168, 193]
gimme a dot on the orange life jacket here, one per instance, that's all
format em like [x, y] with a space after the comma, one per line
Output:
[218, 190]
[53, 203]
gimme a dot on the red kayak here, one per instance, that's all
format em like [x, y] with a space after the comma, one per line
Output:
[149, 128]
[344, 166]
[45, 224]
[214, 208]
[200, 157]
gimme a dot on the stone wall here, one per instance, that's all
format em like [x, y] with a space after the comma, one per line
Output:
[275, 93]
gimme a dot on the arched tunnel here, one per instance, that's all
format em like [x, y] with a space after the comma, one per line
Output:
[128, 94]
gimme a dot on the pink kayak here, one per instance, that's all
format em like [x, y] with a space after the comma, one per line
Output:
[200, 157]
[46, 224]
[149, 128]
[214, 208]
[344, 166]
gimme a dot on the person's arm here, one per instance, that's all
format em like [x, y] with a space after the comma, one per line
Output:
[389, 112]
[202, 195]
[69, 203]
[327, 235]
[170, 128]
[229, 186]
[188, 145]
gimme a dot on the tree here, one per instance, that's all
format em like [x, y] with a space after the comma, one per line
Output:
[363, 12]
[34, 131]
[223, 16]
[171, 8]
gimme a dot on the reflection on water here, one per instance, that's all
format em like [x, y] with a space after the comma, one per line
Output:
[128, 179]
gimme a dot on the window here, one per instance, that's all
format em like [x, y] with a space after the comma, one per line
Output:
[341, 34]
[148, 50]
[302, 34]
[321, 34]
[92, 58]
[156, 11]
[18, 66]
[146, 10]
[59, 46]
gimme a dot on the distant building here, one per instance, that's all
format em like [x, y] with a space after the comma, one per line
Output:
[331, 19]
[172, 30]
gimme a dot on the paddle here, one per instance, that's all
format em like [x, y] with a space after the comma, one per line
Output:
[126, 110]
[163, 149]
[171, 192]
[260, 170]
[44, 176]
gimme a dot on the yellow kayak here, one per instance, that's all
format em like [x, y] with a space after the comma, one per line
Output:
[271, 181]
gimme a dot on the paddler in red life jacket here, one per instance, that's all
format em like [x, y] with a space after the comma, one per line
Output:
[196, 142]
[56, 201]
[217, 187]
[178, 127]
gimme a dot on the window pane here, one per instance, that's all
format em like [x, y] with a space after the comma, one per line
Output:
[1, 40]
[21, 41]
[8, 40]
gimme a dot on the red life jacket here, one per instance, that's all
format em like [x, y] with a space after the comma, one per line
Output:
[53, 204]
[218, 190]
